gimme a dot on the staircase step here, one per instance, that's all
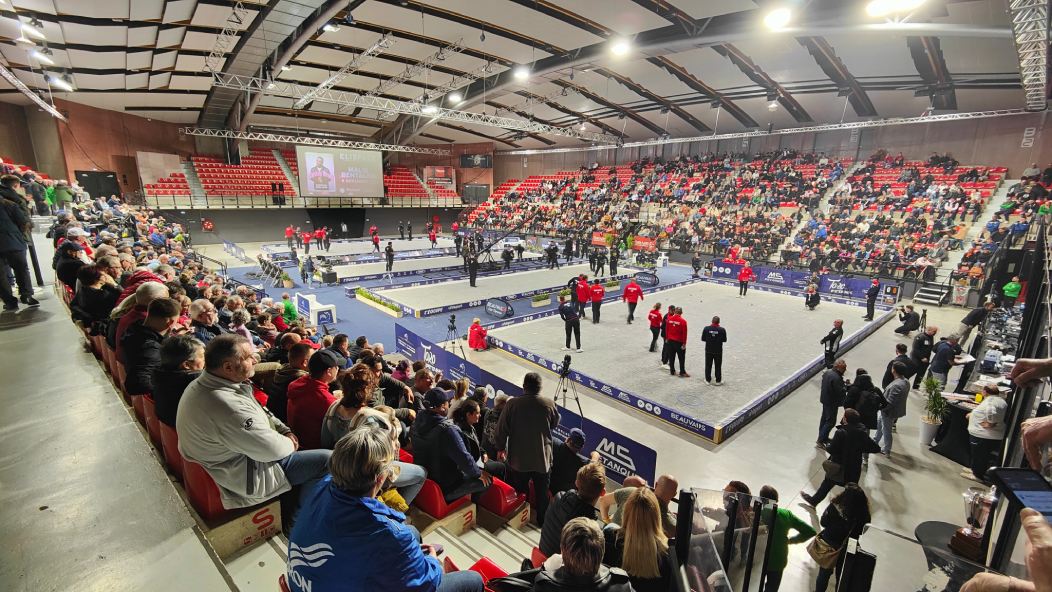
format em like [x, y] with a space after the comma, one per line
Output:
[521, 542]
[463, 555]
[497, 550]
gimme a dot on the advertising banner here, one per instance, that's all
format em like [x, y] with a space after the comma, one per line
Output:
[645, 279]
[844, 287]
[644, 243]
[499, 308]
[784, 280]
[620, 455]
[598, 239]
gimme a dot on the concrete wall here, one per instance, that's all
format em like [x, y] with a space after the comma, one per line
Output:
[15, 142]
[47, 145]
[465, 176]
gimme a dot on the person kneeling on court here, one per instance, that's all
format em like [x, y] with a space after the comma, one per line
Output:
[438, 447]
[348, 540]
[251, 455]
[910, 320]
[477, 335]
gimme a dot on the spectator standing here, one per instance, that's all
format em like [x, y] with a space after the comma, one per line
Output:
[714, 336]
[370, 545]
[13, 248]
[571, 323]
[251, 455]
[308, 397]
[589, 483]
[895, 394]
[850, 444]
[676, 342]
[182, 359]
[567, 460]
[631, 294]
[490, 422]
[845, 517]
[973, 319]
[986, 430]
[832, 397]
[831, 342]
[1011, 292]
[920, 353]
[656, 320]
[784, 522]
[290, 315]
[871, 299]
[943, 358]
[900, 358]
[863, 396]
[524, 440]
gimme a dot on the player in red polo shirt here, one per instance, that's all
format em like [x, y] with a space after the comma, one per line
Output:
[632, 294]
[376, 243]
[676, 342]
[290, 235]
[305, 237]
[433, 237]
[745, 276]
[655, 317]
[584, 294]
[597, 294]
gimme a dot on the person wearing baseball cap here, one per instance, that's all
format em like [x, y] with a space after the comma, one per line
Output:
[871, 299]
[438, 447]
[566, 460]
[309, 397]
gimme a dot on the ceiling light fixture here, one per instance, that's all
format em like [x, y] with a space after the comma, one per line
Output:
[271, 85]
[331, 27]
[429, 110]
[41, 57]
[772, 106]
[778, 19]
[620, 47]
[582, 128]
[60, 83]
[32, 30]
[455, 97]
[521, 72]
[285, 67]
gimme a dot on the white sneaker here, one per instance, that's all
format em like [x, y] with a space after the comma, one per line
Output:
[718, 383]
[565, 348]
[708, 383]
[579, 350]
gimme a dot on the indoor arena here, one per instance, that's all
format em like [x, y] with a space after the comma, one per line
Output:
[553, 295]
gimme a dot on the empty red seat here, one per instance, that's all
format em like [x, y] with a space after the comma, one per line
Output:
[153, 425]
[501, 498]
[537, 558]
[432, 502]
[488, 570]
[170, 446]
[202, 491]
[138, 404]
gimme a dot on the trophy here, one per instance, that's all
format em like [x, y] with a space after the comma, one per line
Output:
[967, 541]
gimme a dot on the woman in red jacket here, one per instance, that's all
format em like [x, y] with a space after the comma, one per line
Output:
[477, 335]
[745, 276]
[655, 316]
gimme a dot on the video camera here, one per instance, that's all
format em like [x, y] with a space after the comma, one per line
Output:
[452, 323]
[564, 371]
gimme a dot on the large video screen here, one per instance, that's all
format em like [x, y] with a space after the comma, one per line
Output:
[336, 172]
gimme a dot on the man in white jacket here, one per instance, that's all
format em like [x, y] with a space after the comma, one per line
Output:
[251, 455]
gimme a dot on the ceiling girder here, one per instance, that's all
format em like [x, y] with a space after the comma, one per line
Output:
[931, 65]
[757, 75]
[835, 69]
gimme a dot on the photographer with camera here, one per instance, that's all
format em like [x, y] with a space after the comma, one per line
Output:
[910, 320]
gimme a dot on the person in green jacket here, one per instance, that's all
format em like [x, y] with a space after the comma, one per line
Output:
[1045, 210]
[1011, 292]
[290, 313]
[49, 195]
[784, 521]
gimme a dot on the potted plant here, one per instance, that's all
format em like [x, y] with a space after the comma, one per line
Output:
[935, 408]
[286, 281]
[541, 300]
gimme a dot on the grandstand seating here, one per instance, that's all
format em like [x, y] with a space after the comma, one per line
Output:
[400, 182]
[252, 177]
[171, 184]
[290, 159]
[441, 191]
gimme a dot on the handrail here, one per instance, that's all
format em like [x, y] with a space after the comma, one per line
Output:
[198, 201]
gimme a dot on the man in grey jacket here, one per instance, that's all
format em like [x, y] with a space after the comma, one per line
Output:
[895, 394]
[250, 454]
[524, 439]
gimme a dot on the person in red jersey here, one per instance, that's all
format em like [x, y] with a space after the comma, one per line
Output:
[376, 243]
[655, 317]
[597, 293]
[584, 295]
[290, 236]
[676, 342]
[632, 294]
[745, 276]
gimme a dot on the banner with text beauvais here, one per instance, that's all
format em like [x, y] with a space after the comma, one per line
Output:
[620, 455]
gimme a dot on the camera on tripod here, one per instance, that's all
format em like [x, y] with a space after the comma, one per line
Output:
[452, 323]
[564, 371]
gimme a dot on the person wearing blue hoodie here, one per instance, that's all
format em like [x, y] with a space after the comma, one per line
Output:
[346, 540]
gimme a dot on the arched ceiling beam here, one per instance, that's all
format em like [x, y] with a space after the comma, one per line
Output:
[834, 68]
[436, 137]
[630, 113]
[688, 79]
[761, 78]
[525, 115]
[562, 109]
[465, 130]
[931, 65]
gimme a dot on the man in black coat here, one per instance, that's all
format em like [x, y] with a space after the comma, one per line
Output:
[141, 344]
[13, 247]
[457, 241]
[920, 353]
[832, 398]
[568, 250]
[901, 357]
[389, 255]
[849, 446]
[831, 342]
[473, 269]
[615, 256]
[910, 320]
[871, 299]
[507, 256]
[714, 337]
[573, 503]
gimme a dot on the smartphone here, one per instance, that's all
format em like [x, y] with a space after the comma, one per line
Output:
[1025, 487]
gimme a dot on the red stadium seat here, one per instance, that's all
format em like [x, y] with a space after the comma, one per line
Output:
[170, 446]
[138, 404]
[488, 570]
[153, 425]
[501, 498]
[537, 558]
[282, 584]
[202, 491]
[433, 503]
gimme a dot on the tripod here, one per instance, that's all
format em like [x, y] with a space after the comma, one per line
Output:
[566, 389]
[453, 341]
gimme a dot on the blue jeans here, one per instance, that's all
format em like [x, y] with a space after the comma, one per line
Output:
[883, 437]
[410, 480]
[306, 468]
[827, 422]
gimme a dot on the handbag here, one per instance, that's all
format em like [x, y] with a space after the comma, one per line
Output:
[823, 554]
[834, 470]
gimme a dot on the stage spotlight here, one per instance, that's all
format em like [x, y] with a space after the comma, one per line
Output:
[42, 57]
[778, 18]
[34, 29]
[62, 83]
[331, 27]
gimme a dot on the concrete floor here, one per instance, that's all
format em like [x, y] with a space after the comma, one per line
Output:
[455, 292]
[616, 352]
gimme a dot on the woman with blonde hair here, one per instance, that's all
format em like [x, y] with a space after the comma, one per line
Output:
[640, 546]
[460, 394]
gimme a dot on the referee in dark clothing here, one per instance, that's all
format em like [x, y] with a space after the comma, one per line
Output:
[572, 322]
[389, 254]
[714, 337]
[473, 269]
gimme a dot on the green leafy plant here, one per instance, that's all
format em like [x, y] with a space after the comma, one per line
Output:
[367, 295]
[542, 298]
[564, 292]
[613, 284]
[935, 405]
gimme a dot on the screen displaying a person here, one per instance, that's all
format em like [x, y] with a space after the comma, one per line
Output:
[320, 177]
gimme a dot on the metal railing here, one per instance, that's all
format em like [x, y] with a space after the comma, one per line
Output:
[216, 202]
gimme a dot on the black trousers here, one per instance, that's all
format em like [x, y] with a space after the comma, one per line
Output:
[656, 332]
[401, 234]
[870, 304]
[827, 422]
[291, 242]
[376, 247]
[16, 261]
[306, 247]
[743, 288]
[922, 369]
[675, 350]
[574, 328]
[713, 359]
[507, 264]
[632, 311]
[458, 250]
[471, 278]
[984, 451]
[595, 311]
[599, 269]
[521, 483]
[830, 358]
[613, 268]
[581, 309]
[390, 264]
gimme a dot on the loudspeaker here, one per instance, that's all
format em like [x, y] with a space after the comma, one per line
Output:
[328, 277]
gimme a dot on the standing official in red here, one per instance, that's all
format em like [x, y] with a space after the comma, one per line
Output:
[584, 295]
[305, 237]
[745, 276]
[597, 293]
[376, 243]
[433, 237]
[319, 238]
[632, 294]
[676, 341]
[290, 235]
[655, 318]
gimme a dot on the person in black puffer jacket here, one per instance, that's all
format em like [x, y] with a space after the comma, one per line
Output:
[182, 359]
[141, 345]
[850, 443]
[574, 503]
[579, 567]
[863, 396]
[846, 517]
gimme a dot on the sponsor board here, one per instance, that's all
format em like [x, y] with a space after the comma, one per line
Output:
[427, 312]
[646, 279]
[830, 286]
[644, 243]
[621, 455]
[499, 308]
[302, 305]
